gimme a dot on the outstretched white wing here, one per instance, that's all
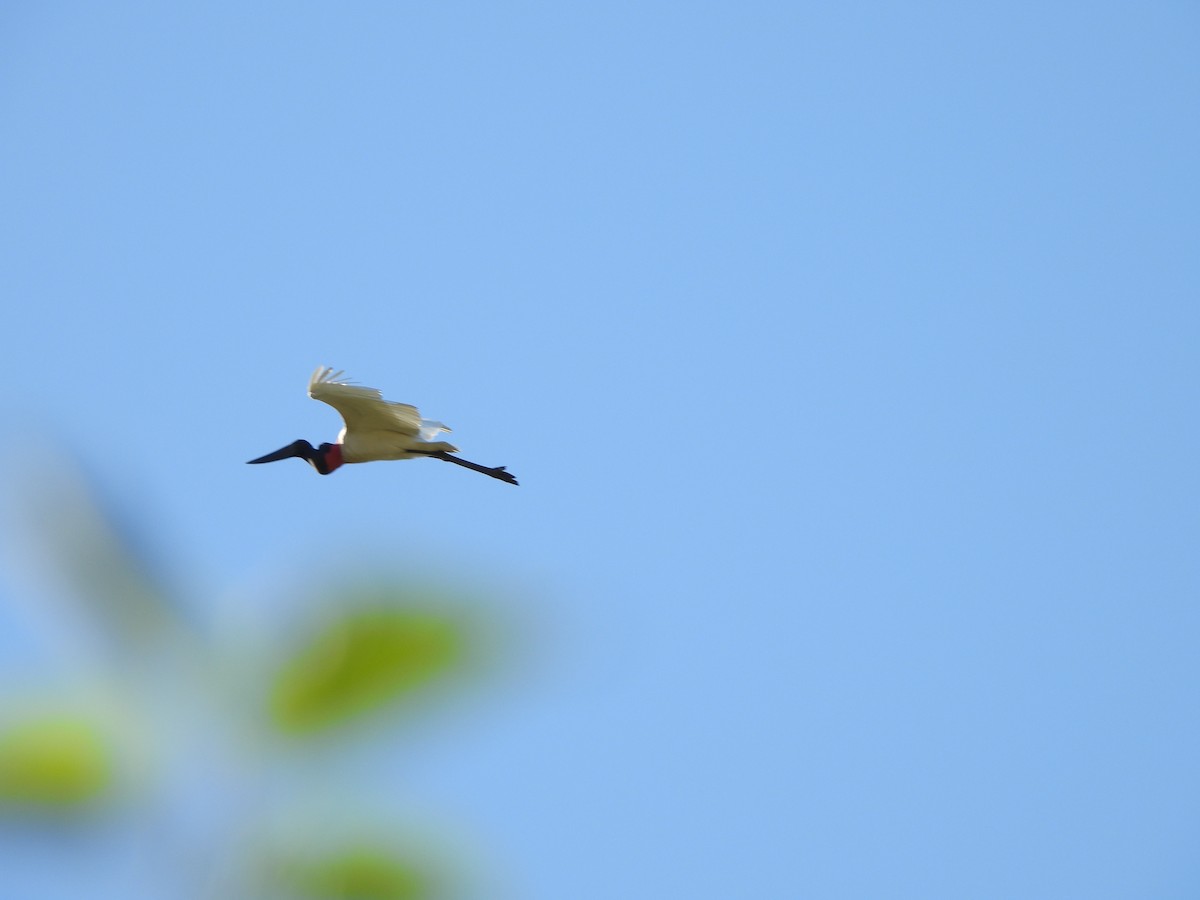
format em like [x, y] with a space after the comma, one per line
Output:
[363, 409]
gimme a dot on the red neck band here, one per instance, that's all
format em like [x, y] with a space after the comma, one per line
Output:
[333, 457]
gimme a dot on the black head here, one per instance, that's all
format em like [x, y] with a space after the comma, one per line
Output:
[318, 458]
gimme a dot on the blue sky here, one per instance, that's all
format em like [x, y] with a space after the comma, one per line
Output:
[847, 358]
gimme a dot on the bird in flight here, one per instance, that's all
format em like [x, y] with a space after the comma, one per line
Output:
[375, 429]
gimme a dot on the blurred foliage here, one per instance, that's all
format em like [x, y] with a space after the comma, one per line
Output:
[361, 662]
[54, 763]
[96, 557]
[363, 873]
[366, 652]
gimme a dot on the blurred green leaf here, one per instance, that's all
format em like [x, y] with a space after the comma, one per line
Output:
[90, 545]
[53, 762]
[361, 874]
[362, 662]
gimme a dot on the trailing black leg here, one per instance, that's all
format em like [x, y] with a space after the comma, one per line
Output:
[497, 472]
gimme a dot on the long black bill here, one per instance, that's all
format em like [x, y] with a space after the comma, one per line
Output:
[302, 449]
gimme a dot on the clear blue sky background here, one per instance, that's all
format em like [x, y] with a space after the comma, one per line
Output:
[847, 355]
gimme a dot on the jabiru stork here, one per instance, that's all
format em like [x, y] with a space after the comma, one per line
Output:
[374, 429]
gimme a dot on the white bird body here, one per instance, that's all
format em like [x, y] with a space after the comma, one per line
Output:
[375, 429]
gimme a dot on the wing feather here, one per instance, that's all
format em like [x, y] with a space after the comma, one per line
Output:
[363, 409]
